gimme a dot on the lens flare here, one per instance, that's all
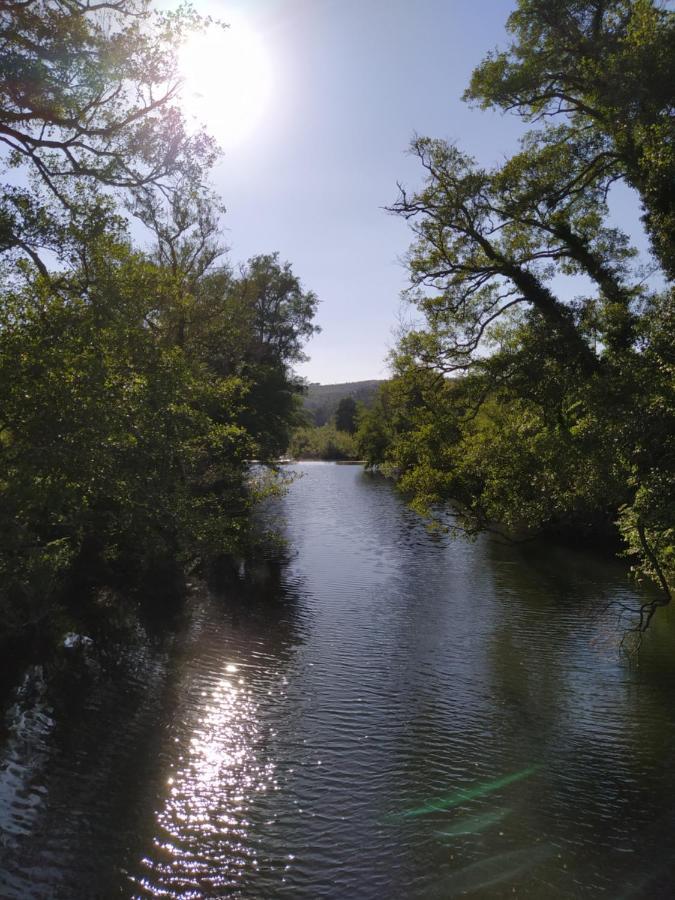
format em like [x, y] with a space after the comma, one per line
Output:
[227, 81]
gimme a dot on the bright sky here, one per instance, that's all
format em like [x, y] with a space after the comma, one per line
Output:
[319, 129]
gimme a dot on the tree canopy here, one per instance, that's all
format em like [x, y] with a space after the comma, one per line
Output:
[606, 68]
[135, 384]
[528, 410]
[345, 415]
[88, 101]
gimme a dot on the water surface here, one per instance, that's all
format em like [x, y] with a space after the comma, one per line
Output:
[389, 714]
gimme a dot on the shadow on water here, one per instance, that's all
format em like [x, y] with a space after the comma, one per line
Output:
[564, 692]
[135, 746]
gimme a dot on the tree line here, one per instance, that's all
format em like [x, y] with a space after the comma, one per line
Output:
[527, 411]
[136, 382]
[331, 440]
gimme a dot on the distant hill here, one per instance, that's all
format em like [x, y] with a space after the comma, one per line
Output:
[322, 400]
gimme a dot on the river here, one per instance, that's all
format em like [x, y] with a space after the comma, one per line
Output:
[389, 714]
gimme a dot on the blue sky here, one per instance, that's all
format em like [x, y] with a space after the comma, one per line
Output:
[352, 81]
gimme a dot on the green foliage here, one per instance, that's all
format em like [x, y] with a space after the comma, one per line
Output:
[324, 442]
[134, 387]
[88, 99]
[527, 412]
[110, 441]
[608, 68]
[346, 415]
[276, 314]
[119, 444]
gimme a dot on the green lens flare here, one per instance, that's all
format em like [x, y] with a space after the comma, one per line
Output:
[475, 824]
[465, 794]
[497, 869]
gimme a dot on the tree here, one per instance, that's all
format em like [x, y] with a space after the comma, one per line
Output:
[345, 415]
[323, 442]
[134, 387]
[522, 408]
[111, 445]
[282, 311]
[88, 96]
[274, 317]
[606, 67]
[487, 243]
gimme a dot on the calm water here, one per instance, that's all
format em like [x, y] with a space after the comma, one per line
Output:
[390, 715]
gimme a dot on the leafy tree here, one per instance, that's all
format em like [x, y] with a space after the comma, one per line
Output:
[522, 408]
[282, 311]
[88, 100]
[606, 67]
[120, 444]
[324, 442]
[345, 415]
[250, 324]
[134, 387]
[278, 314]
[321, 416]
[111, 445]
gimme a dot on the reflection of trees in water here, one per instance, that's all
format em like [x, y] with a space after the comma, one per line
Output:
[564, 696]
[525, 647]
[436, 605]
[476, 661]
[259, 600]
[90, 749]
[92, 778]
[508, 632]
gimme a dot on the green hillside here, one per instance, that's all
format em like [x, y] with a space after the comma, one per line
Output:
[321, 400]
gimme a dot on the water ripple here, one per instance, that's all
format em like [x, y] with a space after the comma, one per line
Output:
[388, 715]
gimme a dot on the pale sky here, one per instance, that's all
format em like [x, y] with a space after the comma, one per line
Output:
[348, 83]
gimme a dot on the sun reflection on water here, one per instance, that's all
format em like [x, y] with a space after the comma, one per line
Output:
[203, 843]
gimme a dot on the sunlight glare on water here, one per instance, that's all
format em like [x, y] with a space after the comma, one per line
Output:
[203, 826]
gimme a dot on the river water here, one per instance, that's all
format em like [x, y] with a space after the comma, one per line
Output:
[388, 714]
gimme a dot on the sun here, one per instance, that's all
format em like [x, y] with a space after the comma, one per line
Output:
[227, 81]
